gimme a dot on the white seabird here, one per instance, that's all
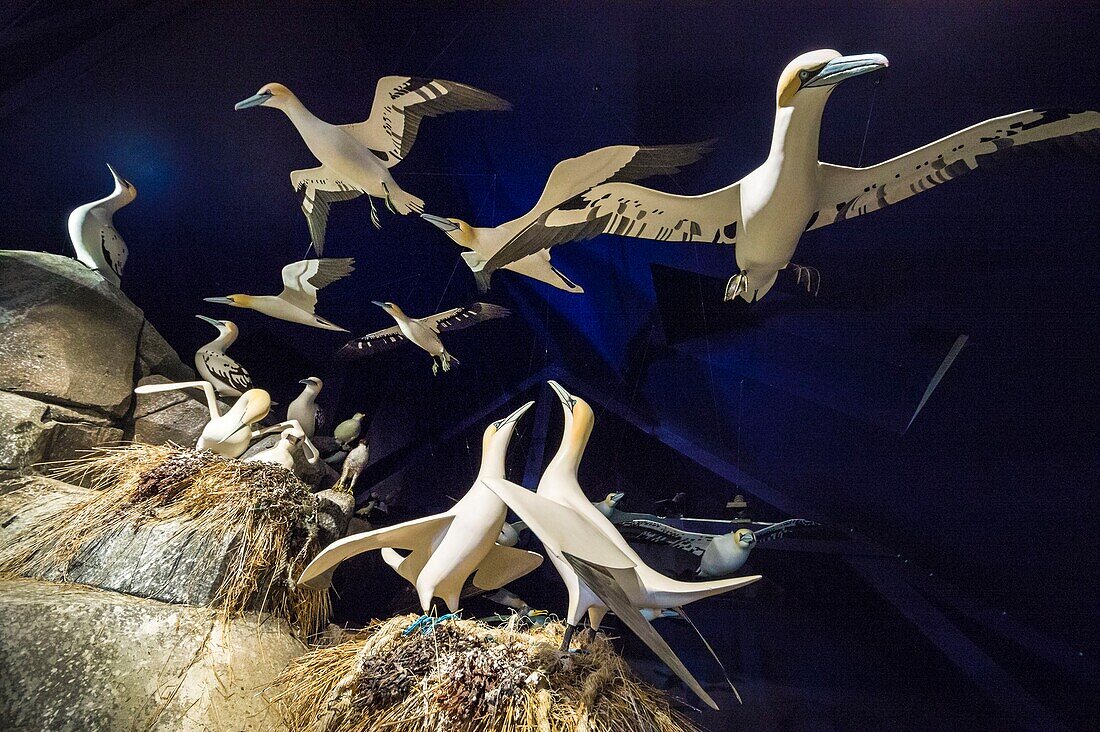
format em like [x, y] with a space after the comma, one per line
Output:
[423, 332]
[297, 301]
[304, 408]
[92, 230]
[765, 213]
[356, 158]
[444, 550]
[354, 464]
[229, 378]
[569, 179]
[282, 452]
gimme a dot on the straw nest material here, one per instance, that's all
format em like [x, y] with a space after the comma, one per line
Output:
[467, 676]
[262, 511]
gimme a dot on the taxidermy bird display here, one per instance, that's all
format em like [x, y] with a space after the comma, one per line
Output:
[356, 158]
[304, 408]
[282, 452]
[349, 430]
[229, 434]
[92, 230]
[297, 301]
[353, 467]
[600, 569]
[423, 332]
[764, 215]
[444, 550]
[569, 179]
[720, 554]
[229, 378]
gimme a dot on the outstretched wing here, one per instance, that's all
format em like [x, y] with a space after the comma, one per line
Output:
[319, 188]
[400, 102]
[850, 192]
[372, 343]
[775, 531]
[654, 532]
[302, 280]
[464, 317]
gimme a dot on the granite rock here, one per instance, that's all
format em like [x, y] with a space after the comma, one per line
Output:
[36, 432]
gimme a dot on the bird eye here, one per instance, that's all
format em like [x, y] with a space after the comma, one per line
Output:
[803, 74]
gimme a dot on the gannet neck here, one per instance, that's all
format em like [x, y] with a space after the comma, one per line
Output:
[494, 452]
[567, 460]
[796, 134]
[223, 341]
[300, 117]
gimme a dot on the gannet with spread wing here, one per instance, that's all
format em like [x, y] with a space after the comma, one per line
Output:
[296, 303]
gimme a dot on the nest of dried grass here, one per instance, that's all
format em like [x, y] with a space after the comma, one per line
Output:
[263, 512]
[467, 676]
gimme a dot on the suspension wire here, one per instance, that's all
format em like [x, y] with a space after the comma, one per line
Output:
[867, 127]
[450, 43]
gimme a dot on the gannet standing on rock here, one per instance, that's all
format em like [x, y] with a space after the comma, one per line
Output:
[765, 213]
[228, 377]
[423, 332]
[92, 230]
[356, 158]
[567, 180]
[297, 301]
[304, 408]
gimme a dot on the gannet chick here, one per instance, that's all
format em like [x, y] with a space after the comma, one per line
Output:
[228, 377]
[356, 158]
[92, 230]
[304, 408]
[301, 281]
[282, 452]
[348, 431]
[354, 464]
[423, 332]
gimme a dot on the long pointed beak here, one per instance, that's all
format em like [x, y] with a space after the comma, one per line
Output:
[565, 397]
[253, 101]
[439, 222]
[304, 381]
[514, 416]
[379, 304]
[219, 300]
[847, 67]
[215, 323]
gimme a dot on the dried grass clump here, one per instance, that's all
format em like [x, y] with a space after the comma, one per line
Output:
[267, 514]
[467, 676]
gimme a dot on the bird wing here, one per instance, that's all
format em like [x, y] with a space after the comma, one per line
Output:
[228, 370]
[850, 192]
[504, 564]
[319, 188]
[378, 342]
[400, 102]
[775, 531]
[654, 532]
[302, 280]
[464, 317]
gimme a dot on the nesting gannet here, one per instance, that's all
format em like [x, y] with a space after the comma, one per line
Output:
[228, 377]
[301, 281]
[765, 213]
[444, 550]
[720, 554]
[356, 158]
[569, 179]
[600, 569]
[282, 452]
[304, 408]
[353, 467]
[348, 431]
[95, 239]
[423, 332]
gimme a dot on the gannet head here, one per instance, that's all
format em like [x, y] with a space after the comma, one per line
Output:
[613, 499]
[494, 443]
[124, 189]
[237, 301]
[744, 538]
[224, 326]
[813, 75]
[312, 384]
[579, 420]
[270, 95]
[389, 307]
[456, 230]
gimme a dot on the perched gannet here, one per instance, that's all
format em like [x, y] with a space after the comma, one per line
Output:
[423, 332]
[600, 569]
[445, 549]
[95, 239]
[356, 158]
[282, 452]
[228, 377]
[301, 281]
[304, 408]
[721, 554]
[569, 179]
[765, 213]
[353, 467]
[348, 431]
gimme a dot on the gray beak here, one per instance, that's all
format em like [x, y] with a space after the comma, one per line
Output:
[305, 381]
[565, 397]
[514, 416]
[379, 304]
[847, 67]
[118, 178]
[440, 223]
[219, 300]
[253, 101]
[215, 323]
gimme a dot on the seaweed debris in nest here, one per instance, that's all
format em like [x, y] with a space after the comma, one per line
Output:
[269, 514]
[467, 676]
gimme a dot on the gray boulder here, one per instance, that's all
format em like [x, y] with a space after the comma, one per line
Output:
[155, 356]
[167, 416]
[36, 432]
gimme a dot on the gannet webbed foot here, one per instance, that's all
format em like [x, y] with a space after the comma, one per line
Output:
[738, 285]
[435, 367]
[808, 277]
[374, 214]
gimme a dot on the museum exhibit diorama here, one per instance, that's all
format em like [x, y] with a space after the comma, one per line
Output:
[677, 437]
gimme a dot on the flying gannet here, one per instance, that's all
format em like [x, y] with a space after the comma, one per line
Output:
[304, 408]
[297, 301]
[356, 158]
[424, 332]
[765, 213]
[569, 179]
[444, 550]
[600, 569]
[228, 377]
[95, 238]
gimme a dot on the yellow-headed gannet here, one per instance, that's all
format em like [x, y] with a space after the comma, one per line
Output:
[349, 430]
[569, 179]
[229, 378]
[354, 464]
[356, 158]
[296, 303]
[600, 569]
[765, 213]
[445, 549]
[424, 332]
[304, 408]
[282, 452]
[95, 239]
